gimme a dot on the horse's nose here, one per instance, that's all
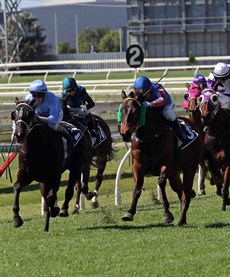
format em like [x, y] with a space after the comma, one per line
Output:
[20, 137]
[126, 137]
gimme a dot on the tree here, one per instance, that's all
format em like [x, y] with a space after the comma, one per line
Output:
[63, 47]
[100, 39]
[110, 42]
[31, 46]
[191, 59]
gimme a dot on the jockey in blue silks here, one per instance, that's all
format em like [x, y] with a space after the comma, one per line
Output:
[160, 100]
[47, 108]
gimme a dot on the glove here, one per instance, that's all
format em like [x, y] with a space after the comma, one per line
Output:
[84, 107]
[146, 103]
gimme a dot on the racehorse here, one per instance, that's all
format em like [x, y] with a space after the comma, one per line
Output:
[41, 157]
[40, 149]
[195, 116]
[154, 150]
[217, 137]
[101, 152]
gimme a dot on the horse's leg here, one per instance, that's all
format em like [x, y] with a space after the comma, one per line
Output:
[167, 215]
[82, 187]
[202, 172]
[225, 188]
[188, 178]
[44, 188]
[22, 180]
[74, 177]
[138, 176]
[101, 162]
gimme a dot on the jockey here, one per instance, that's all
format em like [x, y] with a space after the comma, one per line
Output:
[160, 100]
[214, 83]
[78, 100]
[47, 108]
[221, 73]
[199, 83]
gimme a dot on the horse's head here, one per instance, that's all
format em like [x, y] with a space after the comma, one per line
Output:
[23, 117]
[208, 104]
[129, 113]
[193, 93]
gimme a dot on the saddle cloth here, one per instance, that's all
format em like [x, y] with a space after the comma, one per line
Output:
[191, 135]
[100, 137]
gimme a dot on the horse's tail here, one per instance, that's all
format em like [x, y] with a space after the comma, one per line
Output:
[111, 152]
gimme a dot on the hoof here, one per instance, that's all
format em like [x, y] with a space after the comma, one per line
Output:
[17, 222]
[168, 218]
[127, 217]
[193, 193]
[202, 192]
[95, 205]
[76, 209]
[218, 192]
[55, 212]
[181, 224]
[63, 213]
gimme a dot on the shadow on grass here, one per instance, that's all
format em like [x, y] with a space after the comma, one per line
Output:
[35, 186]
[217, 225]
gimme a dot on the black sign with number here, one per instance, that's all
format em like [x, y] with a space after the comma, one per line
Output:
[134, 55]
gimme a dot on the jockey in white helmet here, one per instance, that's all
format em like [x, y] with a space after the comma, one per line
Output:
[221, 73]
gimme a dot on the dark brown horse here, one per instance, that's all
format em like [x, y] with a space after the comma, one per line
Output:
[101, 153]
[41, 155]
[194, 92]
[217, 137]
[41, 159]
[154, 150]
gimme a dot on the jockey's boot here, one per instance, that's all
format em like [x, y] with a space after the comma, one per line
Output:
[66, 135]
[178, 130]
[92, 126]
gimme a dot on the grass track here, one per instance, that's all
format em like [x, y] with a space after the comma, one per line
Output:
[98, 243]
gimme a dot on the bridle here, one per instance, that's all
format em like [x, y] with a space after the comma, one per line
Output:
[21, 121]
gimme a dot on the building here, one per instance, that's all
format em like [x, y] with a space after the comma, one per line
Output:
[174, 28]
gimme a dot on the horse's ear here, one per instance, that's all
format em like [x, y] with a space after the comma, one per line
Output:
[13, 115]
[17, 101]
[123, 95]
[187, 85]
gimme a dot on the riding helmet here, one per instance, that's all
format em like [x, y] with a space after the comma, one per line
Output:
[200, 79]
[221, 70]
[68, 84]
[143, 84]
[38, 86]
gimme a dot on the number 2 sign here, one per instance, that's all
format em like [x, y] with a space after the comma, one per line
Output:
[134, 55]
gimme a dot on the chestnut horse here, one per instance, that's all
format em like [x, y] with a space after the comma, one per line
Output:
[101, 153]
[154, 150]
[41, 159]
[204, 167]
[217, 137]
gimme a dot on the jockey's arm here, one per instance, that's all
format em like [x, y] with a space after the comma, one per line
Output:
[89, 101]
[161, 99]
[42, 119]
